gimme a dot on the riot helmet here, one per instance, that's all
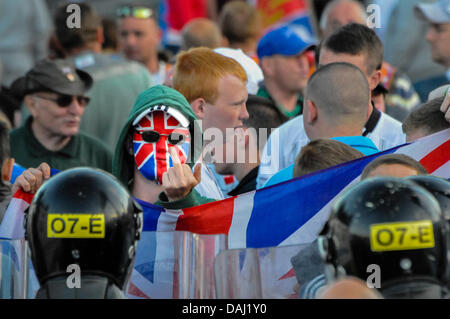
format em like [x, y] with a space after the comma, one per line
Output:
[83, 216]
[438, 187]
[389, 223]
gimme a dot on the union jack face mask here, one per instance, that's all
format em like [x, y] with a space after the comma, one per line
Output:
[155, 130]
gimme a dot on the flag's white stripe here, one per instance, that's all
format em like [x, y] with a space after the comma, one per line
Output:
[243, 207]
[443, 171]
[167, 221]
[12, 224]
[422, 147]
[164, 258]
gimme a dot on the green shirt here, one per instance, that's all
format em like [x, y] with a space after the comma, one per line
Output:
[82, 150]
[117, 84]
[289, 114]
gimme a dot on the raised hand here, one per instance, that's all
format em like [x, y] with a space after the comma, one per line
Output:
[179, 180]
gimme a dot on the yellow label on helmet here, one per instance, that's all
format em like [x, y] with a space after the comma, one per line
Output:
[76, 226]
[402, 236]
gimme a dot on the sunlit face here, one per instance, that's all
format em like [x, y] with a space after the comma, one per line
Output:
[291, 73]
[395, 170]
[52, 119]
[438, 37]
[153, 135]
[138, 38]
[229, 109]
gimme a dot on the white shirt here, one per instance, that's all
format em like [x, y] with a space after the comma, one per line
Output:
[387, 133]
[285, 142]
[208, 186]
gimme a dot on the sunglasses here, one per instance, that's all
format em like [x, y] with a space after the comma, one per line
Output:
[65, 100]
[154, 137]
[135, 12]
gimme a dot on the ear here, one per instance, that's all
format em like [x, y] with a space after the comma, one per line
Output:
[30, 103]
[198, 106]
[374, 79]
[7, 169]
[312, 111]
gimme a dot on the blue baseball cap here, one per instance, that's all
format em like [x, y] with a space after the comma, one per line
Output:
[285, 40]
[438, 12]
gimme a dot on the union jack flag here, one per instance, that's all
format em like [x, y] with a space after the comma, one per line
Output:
[154, 158]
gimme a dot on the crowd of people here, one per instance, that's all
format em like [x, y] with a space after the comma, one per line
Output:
[237, 109]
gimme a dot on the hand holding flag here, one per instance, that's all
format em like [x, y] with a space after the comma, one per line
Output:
[31, 179]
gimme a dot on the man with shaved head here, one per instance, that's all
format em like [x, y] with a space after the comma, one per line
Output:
[356, 44]
[337, 100]
[336, 106]
[201, 32]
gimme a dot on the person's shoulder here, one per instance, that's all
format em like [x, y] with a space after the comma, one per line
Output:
[113, 61]
[17, 132]
[293, 124]
[389, 120]
[92, 141]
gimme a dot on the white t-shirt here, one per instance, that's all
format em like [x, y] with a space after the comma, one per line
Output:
[208, 186]
[286, 141]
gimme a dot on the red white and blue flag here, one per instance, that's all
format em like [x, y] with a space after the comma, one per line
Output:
[291, 212]
[288, 213]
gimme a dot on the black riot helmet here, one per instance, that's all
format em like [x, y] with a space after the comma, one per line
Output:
[83, 216]
[389, 222]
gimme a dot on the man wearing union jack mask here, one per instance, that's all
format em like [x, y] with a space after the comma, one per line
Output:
[157, 149]
[155, 130]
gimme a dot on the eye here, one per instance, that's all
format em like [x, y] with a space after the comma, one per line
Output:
[150, 136]
[176, 138]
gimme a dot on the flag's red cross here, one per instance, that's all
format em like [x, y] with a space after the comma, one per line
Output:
[436, 158]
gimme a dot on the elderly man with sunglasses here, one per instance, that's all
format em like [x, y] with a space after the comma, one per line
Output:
[54, 93]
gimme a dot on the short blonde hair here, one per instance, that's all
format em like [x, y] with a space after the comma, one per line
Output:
[197, 73]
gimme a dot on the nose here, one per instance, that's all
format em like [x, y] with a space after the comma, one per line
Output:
[244, 113]
[430, 34]
[75, 107]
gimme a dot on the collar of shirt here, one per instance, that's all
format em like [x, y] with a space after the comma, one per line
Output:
[38, 150]
[247, 184]
[262, 91]
[448, 74]
[361, 143]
